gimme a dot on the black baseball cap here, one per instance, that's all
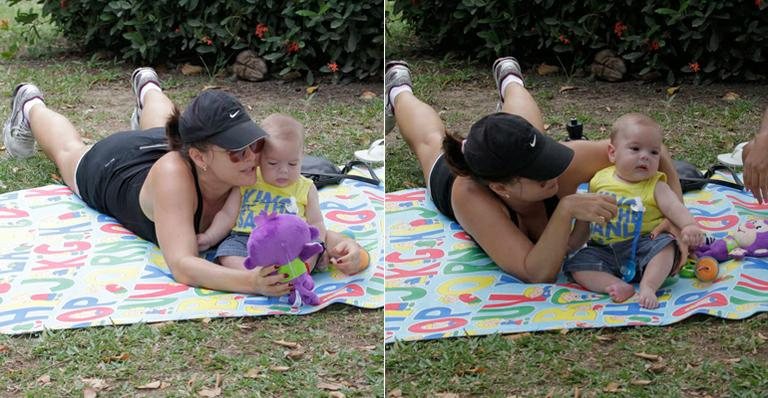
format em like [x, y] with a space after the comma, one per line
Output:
[219, 118]
[502, 145]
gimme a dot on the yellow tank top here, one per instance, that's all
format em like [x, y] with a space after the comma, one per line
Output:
[261, 197]
[622, 227]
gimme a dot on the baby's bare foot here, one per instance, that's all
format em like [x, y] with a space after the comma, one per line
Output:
[620, 291]
[647, 298]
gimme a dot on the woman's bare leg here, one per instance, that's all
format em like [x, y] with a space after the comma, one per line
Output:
[517, 100]
[157, 109]
[58, 139]
[419, 124]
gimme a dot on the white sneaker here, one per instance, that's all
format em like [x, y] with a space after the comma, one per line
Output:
[17, 135]
[139, 78]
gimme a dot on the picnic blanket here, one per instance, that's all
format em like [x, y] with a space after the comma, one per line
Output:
[440, 284]
[64, 265]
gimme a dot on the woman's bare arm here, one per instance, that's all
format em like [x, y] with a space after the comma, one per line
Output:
[173, 197]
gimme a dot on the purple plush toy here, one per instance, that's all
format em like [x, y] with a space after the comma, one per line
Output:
[288, 241]
[750, 239]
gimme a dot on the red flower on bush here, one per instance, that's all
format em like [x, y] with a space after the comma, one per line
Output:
[207, 40]
[564, 40]
[292, 47]
[333, 67]
[261, 30]
[619, 28]
[653, 45]
[694, 67]
[758, 3]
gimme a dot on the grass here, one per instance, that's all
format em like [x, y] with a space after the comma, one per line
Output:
[698, 357]
[339, 345]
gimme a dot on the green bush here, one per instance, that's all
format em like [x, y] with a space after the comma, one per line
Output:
[704, 40]
[339, 37]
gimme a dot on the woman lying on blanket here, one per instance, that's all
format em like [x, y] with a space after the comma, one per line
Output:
[509, 186]
[167, 181]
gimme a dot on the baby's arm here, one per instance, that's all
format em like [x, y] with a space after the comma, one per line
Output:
[673, 209]
[315, 217]
[579, 235]
[222, 222]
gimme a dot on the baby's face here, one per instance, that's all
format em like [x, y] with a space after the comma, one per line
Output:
[281, 162]
[636, 153]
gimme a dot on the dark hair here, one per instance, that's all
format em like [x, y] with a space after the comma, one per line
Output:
[174, 136]
[454, 156]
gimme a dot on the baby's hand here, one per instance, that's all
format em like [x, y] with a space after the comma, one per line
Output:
[692, 235]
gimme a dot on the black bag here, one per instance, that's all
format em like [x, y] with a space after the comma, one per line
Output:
[692, 179]
[323, 172]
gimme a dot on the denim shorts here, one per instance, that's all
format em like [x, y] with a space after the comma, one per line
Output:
[609, 258]
[236, 244]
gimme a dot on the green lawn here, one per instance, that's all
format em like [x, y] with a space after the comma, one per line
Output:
[698, 357]
[340, 348]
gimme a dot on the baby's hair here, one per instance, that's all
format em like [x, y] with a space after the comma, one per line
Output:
[284, 128]
[633, 120]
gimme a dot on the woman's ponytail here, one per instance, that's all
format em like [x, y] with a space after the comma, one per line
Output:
[455, 156]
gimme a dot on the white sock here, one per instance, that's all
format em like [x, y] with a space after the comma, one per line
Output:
[28, 105]
[147, 88]
[509, 80]
[395, 91]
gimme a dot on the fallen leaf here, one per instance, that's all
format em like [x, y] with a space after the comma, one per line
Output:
[604, 338]
[730, 96]
[209, 392]
[253, 373]
[312, 89]
[211, 87]
[243, 326]
[673, 90]
[4, 348]
[649, 357]
[329, 386]
[447, 395]
[206, 320]
[516, 336]
[4, 24]
[761, 337]
[154, 385]
[189, 70]
[608, 109]
[656, 367]
[336, 394]
[396, 393]
[564, 331]
[368, 347]
[96, 384]
[640, 382]
[551, 393]
[44, 379]
[547, 126]
[576, 392]
[544, 69]
[567, 88]
[89, 392]
[294, 354]
[288, 344]
[367, 95]
[116, 358]
[613, 387]
[278, 368]
[732, 360]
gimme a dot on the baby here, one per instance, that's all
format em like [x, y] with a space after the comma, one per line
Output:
[634, 150]
[280, 188]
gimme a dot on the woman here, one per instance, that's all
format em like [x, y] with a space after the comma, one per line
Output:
[168, 180]
[508, 185]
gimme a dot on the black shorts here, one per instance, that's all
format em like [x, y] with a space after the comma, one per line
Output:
[441, 185]
[110, 175]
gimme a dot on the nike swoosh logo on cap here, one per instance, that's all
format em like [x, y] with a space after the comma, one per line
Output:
[232, 115]
[533, 143]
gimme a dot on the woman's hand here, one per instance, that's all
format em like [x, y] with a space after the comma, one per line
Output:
[591, 207]
[345, 255]
[267, 282]
[755, 158]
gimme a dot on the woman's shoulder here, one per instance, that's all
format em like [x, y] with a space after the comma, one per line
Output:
[171, 170]
[467, 194]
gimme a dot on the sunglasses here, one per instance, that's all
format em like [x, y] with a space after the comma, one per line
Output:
[239, 154]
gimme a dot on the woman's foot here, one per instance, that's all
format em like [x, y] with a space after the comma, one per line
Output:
[620, 291]
[140, 78]
[397, 74]
[503, 68]
[17, 135]
[647, 298]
